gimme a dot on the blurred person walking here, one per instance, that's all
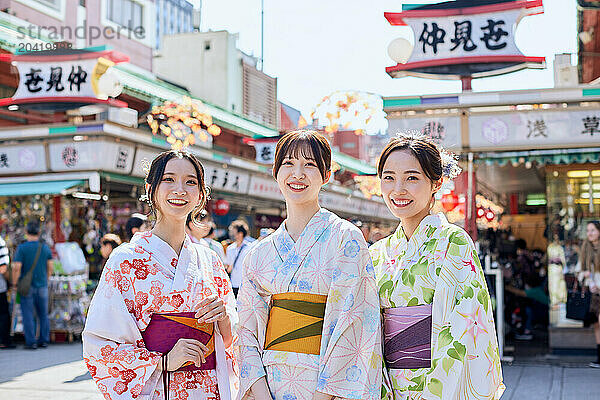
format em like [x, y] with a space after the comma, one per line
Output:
[237, 251]
[203, 232]
[590, 275]
[136, 223]
[31, 269]
[5, 340]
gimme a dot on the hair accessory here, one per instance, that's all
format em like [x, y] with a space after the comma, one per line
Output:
[146, 166]
[450, 167]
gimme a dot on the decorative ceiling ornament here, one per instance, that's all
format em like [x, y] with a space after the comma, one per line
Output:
[181, 123]
[361, 112]
[369, 185]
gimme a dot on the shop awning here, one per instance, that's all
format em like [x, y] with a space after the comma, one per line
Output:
[30, 188]
[353, 164]
[543, 157]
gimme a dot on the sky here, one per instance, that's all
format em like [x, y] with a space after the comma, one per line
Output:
[315, 47]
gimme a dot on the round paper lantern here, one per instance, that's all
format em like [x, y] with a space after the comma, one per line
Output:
[221, 207]
[400, 50]
[480, 212]
[489, 215]
[449, 201]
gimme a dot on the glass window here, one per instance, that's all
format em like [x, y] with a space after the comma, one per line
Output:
[127, 13]
[55, 4]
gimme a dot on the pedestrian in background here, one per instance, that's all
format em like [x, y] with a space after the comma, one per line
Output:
[108, 243]
[136, 223]
[34, 258]
[236, 251]
[590, 267]
[5, 341]
[203, 232]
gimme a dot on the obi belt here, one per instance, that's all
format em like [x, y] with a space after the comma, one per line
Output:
[407, 337]
[296, 322]
[166, 329]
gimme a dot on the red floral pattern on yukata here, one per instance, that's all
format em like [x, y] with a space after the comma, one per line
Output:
[141, 282]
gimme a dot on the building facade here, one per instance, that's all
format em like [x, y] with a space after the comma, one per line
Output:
[172, 17]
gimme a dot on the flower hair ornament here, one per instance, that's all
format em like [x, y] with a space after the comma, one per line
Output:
[450, 167]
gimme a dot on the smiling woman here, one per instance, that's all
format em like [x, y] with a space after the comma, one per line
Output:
[309, 312]
[440, 341]
[162, 282]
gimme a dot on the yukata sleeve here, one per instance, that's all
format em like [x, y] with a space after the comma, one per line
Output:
[351, 352]
[465, 358]
[113, 348]
[253, 311]
[225, 292]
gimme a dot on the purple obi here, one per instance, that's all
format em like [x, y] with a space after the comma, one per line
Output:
[407, 337]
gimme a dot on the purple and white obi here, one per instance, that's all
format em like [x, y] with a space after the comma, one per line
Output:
[407, 337]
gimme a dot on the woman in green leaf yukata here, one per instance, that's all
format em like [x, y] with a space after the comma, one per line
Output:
[439, 335]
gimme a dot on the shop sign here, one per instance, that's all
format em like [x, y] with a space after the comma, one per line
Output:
[339, 202]
[91, 155]
[226, 179]
[22, 159]
[443, 130]
[264, 187]
[64, 79]
[83, 76]
[461, 36]
[534, 129]
[265, 152]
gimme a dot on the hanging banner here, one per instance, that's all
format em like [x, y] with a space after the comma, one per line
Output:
[534, 129]
[443, 130]
[464, 37]
[265, 152]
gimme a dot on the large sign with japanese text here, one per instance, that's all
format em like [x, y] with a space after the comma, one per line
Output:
[22, 159]
[65, 79]
[443, 130]
[464, 40]
[534, 129]
[70, 76]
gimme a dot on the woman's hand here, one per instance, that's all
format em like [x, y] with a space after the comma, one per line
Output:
[211, 309]
[322, 396]
[186, 350]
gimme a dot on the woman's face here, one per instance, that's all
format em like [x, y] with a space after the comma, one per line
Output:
[178, 192]
[593, 234]
[300, 180]
[406, 189]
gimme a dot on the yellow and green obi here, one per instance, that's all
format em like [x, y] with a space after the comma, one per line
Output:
[296, 322]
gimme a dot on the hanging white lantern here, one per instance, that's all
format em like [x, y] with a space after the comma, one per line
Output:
[400, 50]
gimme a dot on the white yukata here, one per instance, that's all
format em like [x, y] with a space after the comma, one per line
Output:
[438, 269]
[329, 258]
[144, 277]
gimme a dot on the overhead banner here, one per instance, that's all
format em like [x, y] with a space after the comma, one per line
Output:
[82, 76]
[534, 129]
[443, 130]
[449, 36]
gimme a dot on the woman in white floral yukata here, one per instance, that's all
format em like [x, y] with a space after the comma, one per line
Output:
[308, 305]
[160, 323]
[439, 335]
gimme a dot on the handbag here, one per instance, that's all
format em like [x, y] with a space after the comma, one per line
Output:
[578, 302]
[24, 284]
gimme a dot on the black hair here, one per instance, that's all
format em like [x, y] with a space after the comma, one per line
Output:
[33, 228]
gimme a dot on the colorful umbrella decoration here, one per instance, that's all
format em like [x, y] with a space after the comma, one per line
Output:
[182, 122]
[349, 110]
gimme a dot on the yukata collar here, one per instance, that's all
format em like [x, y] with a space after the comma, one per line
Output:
[431, 220]
[158, 247]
